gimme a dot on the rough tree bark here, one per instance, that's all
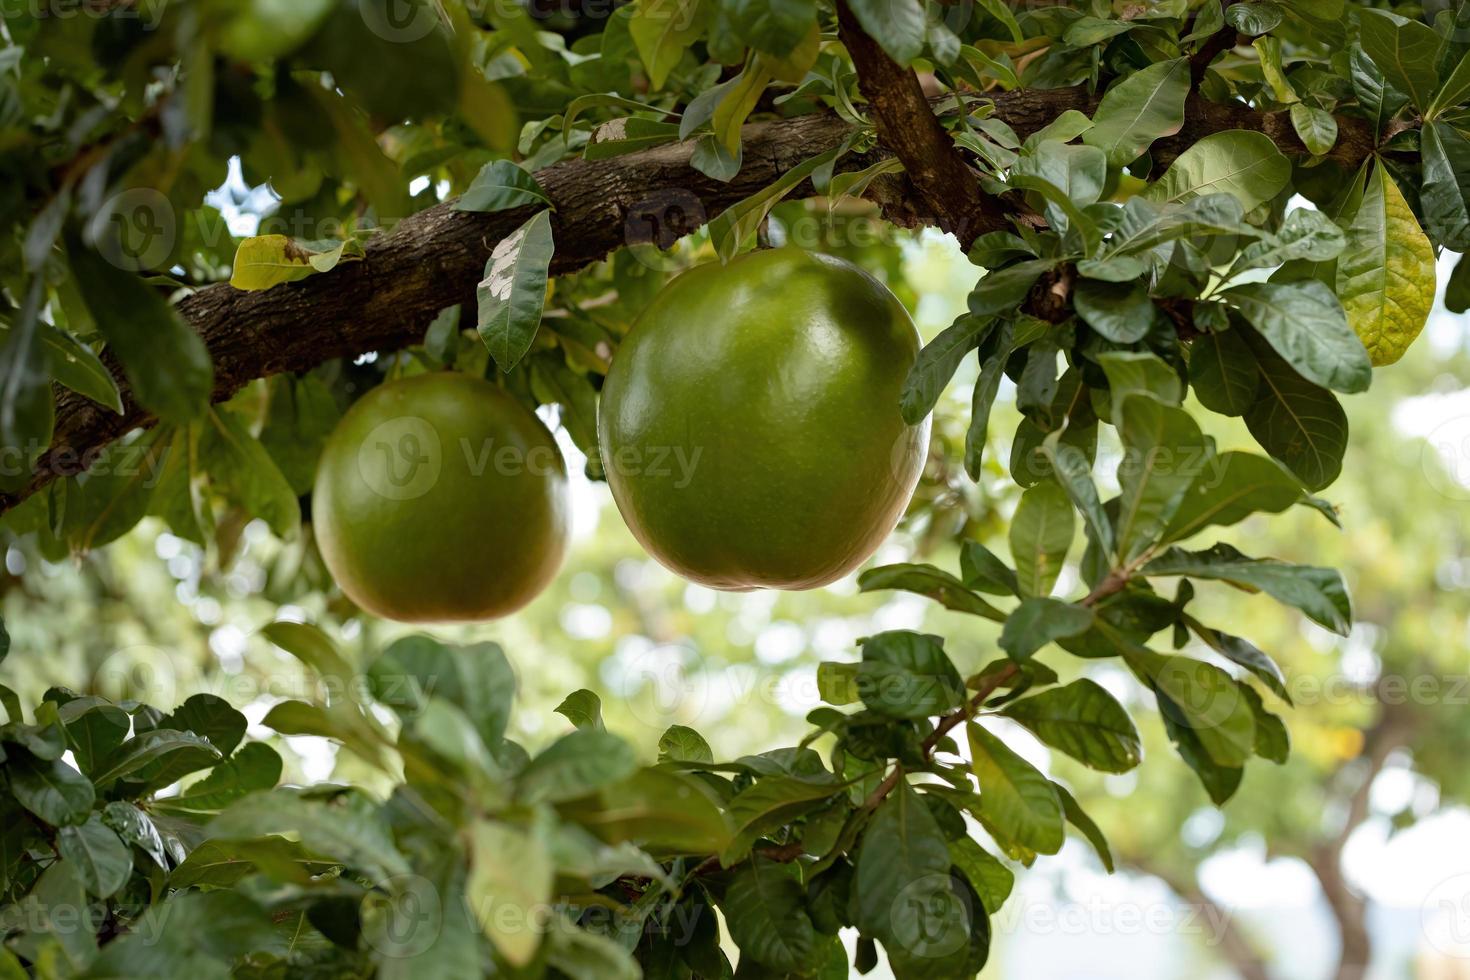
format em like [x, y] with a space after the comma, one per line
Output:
[435, 258]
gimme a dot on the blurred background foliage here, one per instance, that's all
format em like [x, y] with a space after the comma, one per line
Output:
[1380, 733]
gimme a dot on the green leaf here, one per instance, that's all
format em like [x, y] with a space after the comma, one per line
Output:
[166, 363]
[1038, 621]
[1247, 655]
[477, 678]
[1253, 18]
[346, 826]
[663, 812]
[256, 766]
[735, 105]
[1385, 276]
[982, 570]
[97, 855]
[769, 805]
[1245, 164]
[898, 25]
[837, 682]
[937, 363]
[1040, 535]
[1272, 740]
[1304, 236]
[576, 765]
[902, 889]
[136, 828]
[1406, 50]
[1164, 453]
[1234, 486]
[576, 952]
[27, 406]
[73, 364]
[663, 30]
[1141, 108]
[244, 472]
[908, 675]
[1083, 720]
[1121, 312]
[1318, 592]
[513, 292]
[680, 743]
[1002, 291]
[50, 789]
[926, 580]
[738, 223]
[1445, 194]
[1015, 798]
[143, 750]
[1078, 818]
[509, 887]
[765, 911]
[991, 879]
[583, 709]
[501, 185]
[1139, 372]
[313, 648]
[1223, 372]
[1316, 128]
[94, 729]
[1074, 472]
[1298, 423]
[1306, 325]
[1207, 701]
[1455, 90]
[211, 717]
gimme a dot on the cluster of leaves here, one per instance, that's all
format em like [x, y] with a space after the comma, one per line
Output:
[139, 842]
[1181, 269]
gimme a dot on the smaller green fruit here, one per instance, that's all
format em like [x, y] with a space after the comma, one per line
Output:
[440, 498]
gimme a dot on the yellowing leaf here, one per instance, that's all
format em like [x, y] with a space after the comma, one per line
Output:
[1385, 276]
[737, 104]
[509, 888]
[270, 260]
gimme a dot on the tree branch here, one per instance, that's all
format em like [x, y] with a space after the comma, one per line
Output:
[435, 258]
[907, 126]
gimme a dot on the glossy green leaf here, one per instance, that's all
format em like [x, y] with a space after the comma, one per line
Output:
[1139, 109]
[499, 186]
[513, 292]
[1298, 423]
[1318, 592]
[1040, 536]
[1014, 797]
[1307, 325]
[1083, 720]
[1239, 162]
[97, 855]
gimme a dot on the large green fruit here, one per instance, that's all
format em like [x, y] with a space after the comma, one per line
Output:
[440, 498]
[750, 424]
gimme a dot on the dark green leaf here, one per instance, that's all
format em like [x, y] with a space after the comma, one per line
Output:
[1038, 621]
[513, 292]
[1318, 592]
[1083, 720]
